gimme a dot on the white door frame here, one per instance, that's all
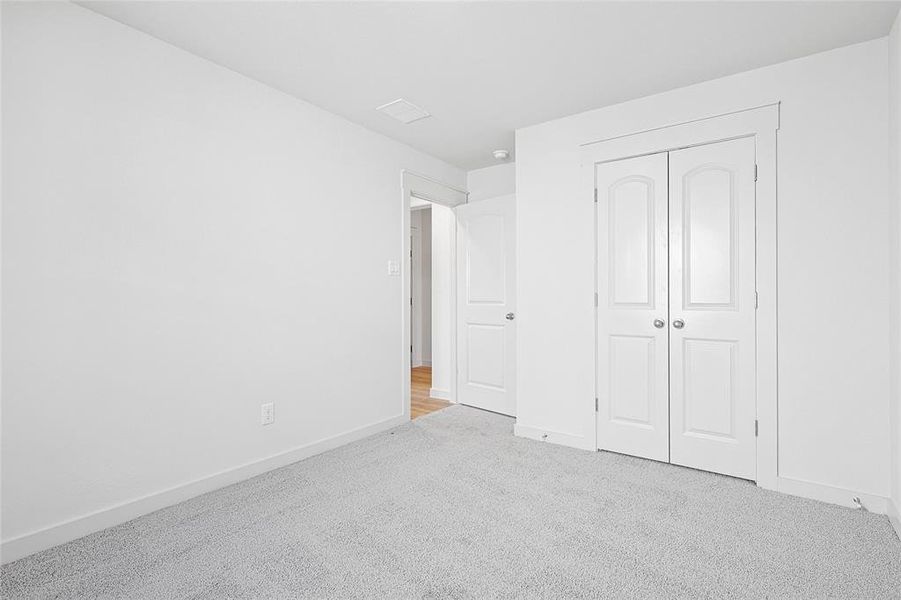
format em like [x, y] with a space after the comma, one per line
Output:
[761, 123]
[424, 188]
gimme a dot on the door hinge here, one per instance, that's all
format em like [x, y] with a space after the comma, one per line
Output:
[595, 298]
[595, 405]
[756, 428]
[756, 300]
[595, 195]
[755, 172]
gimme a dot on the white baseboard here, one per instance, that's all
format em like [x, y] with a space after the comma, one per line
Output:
[60, 533]
[786, 485]
[426, 363]
[554, 437]
[894, 516]
[830, 494]
[440, 394]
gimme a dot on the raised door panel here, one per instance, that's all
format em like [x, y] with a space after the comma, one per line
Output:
[486, 260]
[632, 387]
[709, 382]
[630, 232]
[710, 230]
[486, 359]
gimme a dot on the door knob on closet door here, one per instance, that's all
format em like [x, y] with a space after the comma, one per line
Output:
[678, 323]
[659, 323]
[509, 316]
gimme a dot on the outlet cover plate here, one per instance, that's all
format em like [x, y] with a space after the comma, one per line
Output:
[267, 413]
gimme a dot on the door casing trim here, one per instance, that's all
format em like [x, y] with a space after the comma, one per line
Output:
[761, 123]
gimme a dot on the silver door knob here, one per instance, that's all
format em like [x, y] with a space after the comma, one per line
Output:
[659, 323]
[510, 316]
[678, 323]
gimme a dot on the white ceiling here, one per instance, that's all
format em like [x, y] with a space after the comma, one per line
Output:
[485, 69]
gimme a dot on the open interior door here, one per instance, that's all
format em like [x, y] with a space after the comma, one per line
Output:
[486, 322]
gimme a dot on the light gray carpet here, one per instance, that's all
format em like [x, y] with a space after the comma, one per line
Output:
[453, 506]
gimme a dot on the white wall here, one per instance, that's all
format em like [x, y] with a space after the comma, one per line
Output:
[425, 279]
[421, 288]
[894, 49]
[415, 288]
[833, 260]
[172, 258]
[444, 241]
[490, 182]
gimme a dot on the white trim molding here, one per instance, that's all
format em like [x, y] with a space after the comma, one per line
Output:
[894, 516]
[67, 531]
[832, 495]
[761, 123]
[441, 394]
[426, 188]
[554, 437]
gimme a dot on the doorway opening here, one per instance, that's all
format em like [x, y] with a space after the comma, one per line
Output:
[429, 342]
[421, 400]
[469, 356]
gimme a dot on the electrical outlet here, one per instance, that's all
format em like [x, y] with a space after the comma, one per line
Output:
[267, 413]
[393, 268]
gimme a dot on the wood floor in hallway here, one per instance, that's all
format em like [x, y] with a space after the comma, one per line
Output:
[421, 403]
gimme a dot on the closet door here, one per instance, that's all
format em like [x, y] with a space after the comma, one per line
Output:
[632, 415]
[712, 308]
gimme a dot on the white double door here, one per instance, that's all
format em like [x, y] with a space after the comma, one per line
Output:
[676, 333]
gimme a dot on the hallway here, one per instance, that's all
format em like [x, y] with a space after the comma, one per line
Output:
[420, 401]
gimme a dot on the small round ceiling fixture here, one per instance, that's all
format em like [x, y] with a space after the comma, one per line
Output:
[502, 154]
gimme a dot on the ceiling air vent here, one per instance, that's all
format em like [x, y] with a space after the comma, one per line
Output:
[403, 111]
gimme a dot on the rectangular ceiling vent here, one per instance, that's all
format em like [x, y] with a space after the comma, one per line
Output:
[403, 111]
